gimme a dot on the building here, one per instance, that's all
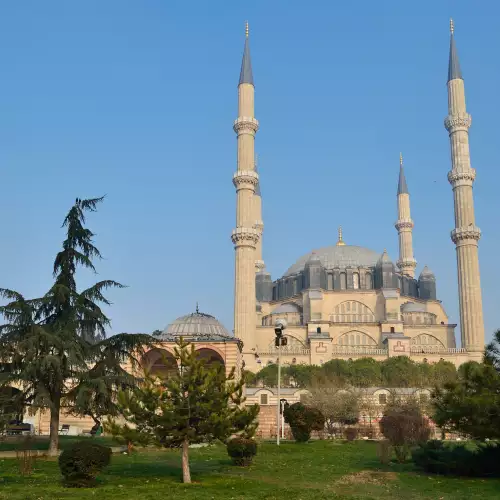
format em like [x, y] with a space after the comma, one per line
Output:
[348, 301]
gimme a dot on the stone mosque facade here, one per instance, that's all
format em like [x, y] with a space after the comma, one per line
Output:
[346, 301]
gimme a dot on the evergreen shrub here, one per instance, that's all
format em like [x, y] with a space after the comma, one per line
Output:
[242, 450]
[81, 463]
[303, 420]
[351, 433]
[473, 459]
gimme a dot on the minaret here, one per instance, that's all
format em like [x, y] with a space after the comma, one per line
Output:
[466, 234]
[404, 226]
[258, 224]
[245, 237]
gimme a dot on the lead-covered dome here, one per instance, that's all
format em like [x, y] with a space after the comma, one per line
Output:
[338, 256]
[196, 325]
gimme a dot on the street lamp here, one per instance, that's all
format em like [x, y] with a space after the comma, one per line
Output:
[280, 326]
[283, 403]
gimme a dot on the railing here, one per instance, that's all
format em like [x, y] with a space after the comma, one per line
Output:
[336, 349]
[430, 349]
[287, 351]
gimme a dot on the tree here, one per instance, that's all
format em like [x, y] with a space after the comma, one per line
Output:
[442, 373]
[47, 344]
[471, 404]
[303, 420]
[339, 406]
[196, 404]
[365, 372]
[492, 353]
[404, 426]
[399, 371]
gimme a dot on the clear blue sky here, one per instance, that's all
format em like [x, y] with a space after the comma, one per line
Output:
[136, 100]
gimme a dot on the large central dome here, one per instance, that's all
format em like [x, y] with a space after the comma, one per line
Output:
[338, 256]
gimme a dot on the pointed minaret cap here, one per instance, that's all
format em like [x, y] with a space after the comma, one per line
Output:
[246, 75]
[340, 242]
[402, 186]
[384, 258]
[427, 274]
[454, 71]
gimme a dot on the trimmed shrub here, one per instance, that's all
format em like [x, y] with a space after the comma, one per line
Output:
[242, 450]
[471, 459]
[303, 420]
[81, 463]
[351, 433]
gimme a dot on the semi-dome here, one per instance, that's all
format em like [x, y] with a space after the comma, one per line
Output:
[196, 325]
[337, 256]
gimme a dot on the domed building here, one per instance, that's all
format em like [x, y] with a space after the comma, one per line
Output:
[212, 342]
[345, 300]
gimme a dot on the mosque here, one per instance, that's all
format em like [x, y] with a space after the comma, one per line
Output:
[346, 301]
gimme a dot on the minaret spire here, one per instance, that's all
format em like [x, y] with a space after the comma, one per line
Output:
[246, 75]
[404, 226]
[466, 234]
[245, 236]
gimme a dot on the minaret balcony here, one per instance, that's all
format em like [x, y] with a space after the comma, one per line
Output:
[246, 125]
[462, 234]
[454, 123]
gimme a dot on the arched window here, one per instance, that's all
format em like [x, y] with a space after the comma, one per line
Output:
[355, 281]
[343, 281]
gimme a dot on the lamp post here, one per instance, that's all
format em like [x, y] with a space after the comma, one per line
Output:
[283, 402]
[280, 326]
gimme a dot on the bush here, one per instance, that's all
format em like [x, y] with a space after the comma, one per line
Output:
[404, 426]
[470, 459]
[351, 433]
[81, 463]
[303, 420]
[242, 450]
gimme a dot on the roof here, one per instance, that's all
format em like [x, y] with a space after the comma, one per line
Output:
[337, 256]
[413, 307]
[384, 258]
[246, 75]
[427, 273]
[454, 71]
[196, 326]
[402, 186]
[289, 307]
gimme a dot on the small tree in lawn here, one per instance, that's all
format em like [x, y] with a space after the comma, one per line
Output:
[303, 420]
[404, 426]
[197, 404]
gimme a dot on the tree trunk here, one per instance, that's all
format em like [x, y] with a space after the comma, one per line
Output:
[186, 473]
[54, 429]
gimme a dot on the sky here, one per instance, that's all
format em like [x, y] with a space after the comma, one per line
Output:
[136, 100]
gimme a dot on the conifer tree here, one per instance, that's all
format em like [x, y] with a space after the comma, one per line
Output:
[48, 344]
[198, 403]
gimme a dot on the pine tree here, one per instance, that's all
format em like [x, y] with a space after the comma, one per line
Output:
[47, 344]
[198, 403]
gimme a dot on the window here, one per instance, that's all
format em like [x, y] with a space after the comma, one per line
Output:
[355, 281]
[392, 329]
[263, 399]
[382, 399]
[368, 281]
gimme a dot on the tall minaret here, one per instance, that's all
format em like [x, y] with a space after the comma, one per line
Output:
[404, 226]
[245, 237]
[258, 224]
[466, 234]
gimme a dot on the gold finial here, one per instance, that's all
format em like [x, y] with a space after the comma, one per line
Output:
[340, 243]
[400, 159]
[452, 26]
[246, 29]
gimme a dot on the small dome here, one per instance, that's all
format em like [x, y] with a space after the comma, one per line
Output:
[196, 326]
[427, 274]
[413, 307]
[289, 307]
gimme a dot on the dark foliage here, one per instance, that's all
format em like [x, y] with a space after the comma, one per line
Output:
[303, 420]
[404, 426]
[242, 450]
[471, 405]
[351, 433]
[81, 463]
[470, 459]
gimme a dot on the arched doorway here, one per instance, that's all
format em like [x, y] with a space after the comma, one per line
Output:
[211, 357]
[159, 363]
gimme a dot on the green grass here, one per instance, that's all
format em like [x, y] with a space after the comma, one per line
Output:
[313, 471]
[42, 442]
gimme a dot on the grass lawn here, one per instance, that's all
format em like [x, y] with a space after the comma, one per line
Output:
[318, 470]
[42, 442]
